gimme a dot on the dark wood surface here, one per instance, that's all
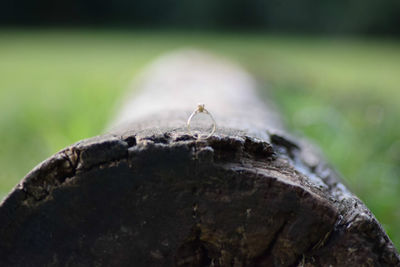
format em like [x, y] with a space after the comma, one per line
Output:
[148, 194]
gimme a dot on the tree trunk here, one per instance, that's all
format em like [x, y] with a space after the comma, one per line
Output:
[150, 194]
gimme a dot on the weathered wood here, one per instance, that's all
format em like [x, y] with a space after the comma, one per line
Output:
[149, 194]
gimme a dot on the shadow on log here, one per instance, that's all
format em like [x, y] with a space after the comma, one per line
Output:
[149, 194]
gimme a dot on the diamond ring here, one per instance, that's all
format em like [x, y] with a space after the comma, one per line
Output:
[201, 109]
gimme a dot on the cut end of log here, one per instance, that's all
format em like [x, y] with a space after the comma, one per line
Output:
[172, 200]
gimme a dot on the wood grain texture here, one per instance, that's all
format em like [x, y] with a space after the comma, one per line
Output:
[148, 194]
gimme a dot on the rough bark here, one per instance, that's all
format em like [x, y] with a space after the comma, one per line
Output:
[149, 194]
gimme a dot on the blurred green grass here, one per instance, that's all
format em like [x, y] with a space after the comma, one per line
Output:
[57, 87]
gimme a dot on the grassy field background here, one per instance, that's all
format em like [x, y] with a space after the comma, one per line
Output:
[57, 87]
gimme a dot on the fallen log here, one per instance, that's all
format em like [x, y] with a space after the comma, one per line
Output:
[147, 193]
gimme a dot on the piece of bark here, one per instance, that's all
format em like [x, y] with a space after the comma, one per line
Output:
[149, 194]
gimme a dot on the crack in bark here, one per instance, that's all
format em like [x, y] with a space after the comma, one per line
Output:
[267, 258]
